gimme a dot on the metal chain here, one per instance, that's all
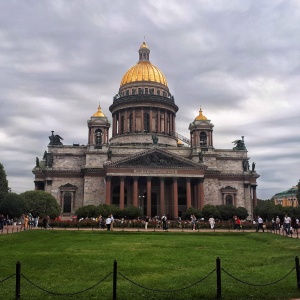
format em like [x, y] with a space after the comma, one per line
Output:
[7, 278]
[166, 291]
[254, 284]
[66, 294]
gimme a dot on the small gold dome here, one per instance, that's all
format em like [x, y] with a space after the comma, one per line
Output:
[144, 45]
[200, 117]
[179, 142]
[144, 71]
[99, 113]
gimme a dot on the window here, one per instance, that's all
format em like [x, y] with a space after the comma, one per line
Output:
[98, 137]
[158, 92]
[146, 122]
[203, 139]
[67, 202]
[229, 200]
[127, 92]
[146, 91]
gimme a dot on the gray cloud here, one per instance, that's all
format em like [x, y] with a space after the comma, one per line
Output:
[239, 60]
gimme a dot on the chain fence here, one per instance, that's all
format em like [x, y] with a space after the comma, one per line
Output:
[115, 275]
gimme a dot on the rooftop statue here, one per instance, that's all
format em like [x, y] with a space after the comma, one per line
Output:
[55, 139]
[154, 139]
[239, 144]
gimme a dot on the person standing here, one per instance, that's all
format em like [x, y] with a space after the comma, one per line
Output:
[108, 223]
[112, 221]
[100, 220]
[26, 220]
[260, 224]
[287, 224]
[212, 222]
[277, 223]
[164, 221]
[146, 222]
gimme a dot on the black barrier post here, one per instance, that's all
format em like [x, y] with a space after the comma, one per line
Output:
[18, 281]
[218, 269]
[297, 272]
[115, 281]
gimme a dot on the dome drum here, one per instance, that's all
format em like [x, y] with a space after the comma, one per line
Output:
[146, 101]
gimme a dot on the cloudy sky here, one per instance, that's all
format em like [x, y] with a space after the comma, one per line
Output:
[238, 60]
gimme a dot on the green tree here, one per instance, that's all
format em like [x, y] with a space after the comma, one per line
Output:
[192, 211]
[132, 212]
[42, 203]
[227, 212]
[210, 210]
[88, 211]
[3, 181]
[13, 206]
[242, 213]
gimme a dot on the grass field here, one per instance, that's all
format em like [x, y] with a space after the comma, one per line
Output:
[70, 261]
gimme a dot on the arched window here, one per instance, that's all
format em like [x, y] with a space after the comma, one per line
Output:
[98, 137]
[203, 139]
[67, 202]
[229, 200]
[146, 122]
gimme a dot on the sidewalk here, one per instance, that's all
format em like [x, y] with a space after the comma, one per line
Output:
[17, 229]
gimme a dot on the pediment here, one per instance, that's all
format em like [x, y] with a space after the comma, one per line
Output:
[229, 188]
[156, 158]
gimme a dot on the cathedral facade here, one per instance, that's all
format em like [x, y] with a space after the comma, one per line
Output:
[146, 163]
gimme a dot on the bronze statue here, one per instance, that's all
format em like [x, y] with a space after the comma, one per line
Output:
[55, 139]
[239, 144]
[37, 162]
[154, 139]
[200, 156]
[253, 167]
[109, 154]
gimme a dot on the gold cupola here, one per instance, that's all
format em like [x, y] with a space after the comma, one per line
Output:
[200, 117]
[99, 113]
[144, 71]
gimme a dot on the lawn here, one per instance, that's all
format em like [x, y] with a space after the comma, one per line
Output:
[71, 261]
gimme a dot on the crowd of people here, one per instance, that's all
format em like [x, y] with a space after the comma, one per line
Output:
[288, 225]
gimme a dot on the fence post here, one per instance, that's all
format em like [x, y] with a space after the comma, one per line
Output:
[218, 269]
[18, 281]
[297, 272]
[115, 280]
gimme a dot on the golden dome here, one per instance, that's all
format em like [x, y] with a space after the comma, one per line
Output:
[144, 71]
[144, 45]
[99, 113]
[200, 117]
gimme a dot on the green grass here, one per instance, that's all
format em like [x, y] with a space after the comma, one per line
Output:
[70, 261]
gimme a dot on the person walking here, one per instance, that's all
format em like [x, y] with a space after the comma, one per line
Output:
[146, 222]
[164, 222]
[287, 224]
[112, 221]
[260, 224]
[108, 223]
[277, 221]
[212, 222]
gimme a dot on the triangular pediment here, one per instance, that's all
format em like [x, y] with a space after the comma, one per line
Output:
[156, 158]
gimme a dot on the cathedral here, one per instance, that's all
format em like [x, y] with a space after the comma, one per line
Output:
[144, 162]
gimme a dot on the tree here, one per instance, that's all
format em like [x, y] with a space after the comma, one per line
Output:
[227, 212]
[3, 181]
[242, 213]
[42, 203]
[13, 206]
[132, 212]
[210, 210]
[191, 211]
[88, 211]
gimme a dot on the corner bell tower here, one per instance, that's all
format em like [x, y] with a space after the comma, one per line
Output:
[201, 132]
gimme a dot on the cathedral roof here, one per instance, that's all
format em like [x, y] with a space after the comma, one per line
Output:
[144, 70]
